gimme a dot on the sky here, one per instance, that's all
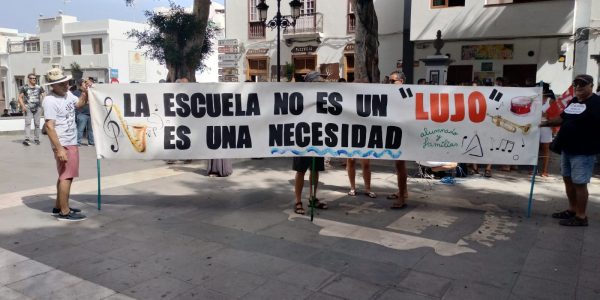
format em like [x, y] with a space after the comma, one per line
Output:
[23, 14]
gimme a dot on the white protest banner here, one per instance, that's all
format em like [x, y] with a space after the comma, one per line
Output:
[379, 121]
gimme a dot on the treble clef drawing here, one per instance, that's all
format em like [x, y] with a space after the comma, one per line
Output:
[137, 137]
[111, 127]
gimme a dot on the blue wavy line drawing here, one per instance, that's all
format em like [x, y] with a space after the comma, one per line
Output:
[342, 152]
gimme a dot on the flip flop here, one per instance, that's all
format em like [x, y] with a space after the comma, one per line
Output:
[402, 206]
[392, 196]
[352, 193]
[371, 195]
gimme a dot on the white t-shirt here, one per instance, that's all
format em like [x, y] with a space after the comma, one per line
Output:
[62, 111]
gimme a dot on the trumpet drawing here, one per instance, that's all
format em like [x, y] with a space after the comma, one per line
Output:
[509, 125]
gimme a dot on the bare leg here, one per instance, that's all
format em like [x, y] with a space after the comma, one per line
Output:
[366, 172]
[402, 177]
[545, 158]
[351, 169]
[581, 198]
[572, 193]
[57, 203]
[63, 193]
[298, 186]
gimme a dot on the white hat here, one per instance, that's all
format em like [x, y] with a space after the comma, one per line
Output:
[56, 76]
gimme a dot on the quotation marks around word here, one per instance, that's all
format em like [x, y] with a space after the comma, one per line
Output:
[495, 95]
[474, 146]
[405, 93]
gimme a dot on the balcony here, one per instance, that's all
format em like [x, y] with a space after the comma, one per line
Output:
[307, 26]
[256, 30]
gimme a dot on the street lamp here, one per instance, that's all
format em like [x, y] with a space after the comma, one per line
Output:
[278, 22]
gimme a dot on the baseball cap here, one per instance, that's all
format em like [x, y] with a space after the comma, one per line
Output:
[585, 78]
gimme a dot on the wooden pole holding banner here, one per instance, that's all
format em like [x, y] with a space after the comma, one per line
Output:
[313, 190]
[529, 204]
[99, 194]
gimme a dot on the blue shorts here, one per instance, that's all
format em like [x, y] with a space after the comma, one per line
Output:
[579, 167]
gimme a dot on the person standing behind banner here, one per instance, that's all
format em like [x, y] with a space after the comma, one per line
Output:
[401, 173]
[179, 80]
[302, 163]
[59, 108]
[218, 167]
[545, 133]
[365, 165]
[578, 143]
[84, 121]
[30, 96]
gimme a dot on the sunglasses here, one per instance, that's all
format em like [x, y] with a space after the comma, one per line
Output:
[578, 82]
[32, 78]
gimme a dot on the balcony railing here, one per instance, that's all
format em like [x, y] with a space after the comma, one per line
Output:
[307, 23]
[256, 30]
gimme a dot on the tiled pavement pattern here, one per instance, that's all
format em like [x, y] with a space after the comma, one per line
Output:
[187, 236]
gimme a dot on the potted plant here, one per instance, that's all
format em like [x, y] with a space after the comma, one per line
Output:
[290, 69]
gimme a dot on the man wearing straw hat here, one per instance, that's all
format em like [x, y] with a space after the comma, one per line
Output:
[59, 112]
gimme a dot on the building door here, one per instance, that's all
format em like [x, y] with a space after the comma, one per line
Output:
[349, 67]
[460, 74]
[518, 74]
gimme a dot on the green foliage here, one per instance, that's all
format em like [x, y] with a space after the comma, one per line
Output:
[169, 38]
[76, 71]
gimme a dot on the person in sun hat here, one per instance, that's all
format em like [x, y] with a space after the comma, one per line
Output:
[578, 145]
[59, 112]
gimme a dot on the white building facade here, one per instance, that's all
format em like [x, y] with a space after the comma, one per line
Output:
[322, 39]
[513, 39]
[101, 49]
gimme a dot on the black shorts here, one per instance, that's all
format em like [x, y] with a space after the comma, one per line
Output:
[301, 164]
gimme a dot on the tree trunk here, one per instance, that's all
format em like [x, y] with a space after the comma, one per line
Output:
[366, 55]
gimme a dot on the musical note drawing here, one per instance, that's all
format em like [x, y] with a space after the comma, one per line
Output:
[499, 106]
[111, 127]
[463, 141]
[504, 145]
[522, 142]
[155, 107]
[474, 147]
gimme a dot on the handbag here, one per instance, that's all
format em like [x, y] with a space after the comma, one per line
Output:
[556, 146]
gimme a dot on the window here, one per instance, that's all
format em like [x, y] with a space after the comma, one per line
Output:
[76, 47]
[32, 46]
[446, 3]
[350, 19]
[256, 28]
[252, 11]
[257, 69]
[496, 2]
[97, 45]
[57, 48]
[309, 7]
[46, 49]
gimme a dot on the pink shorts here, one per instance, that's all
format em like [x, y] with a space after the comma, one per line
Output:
[70, 168]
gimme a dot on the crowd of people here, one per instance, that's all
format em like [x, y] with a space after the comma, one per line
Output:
[67, 119]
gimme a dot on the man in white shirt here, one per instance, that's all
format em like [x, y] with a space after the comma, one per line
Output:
[59, 112]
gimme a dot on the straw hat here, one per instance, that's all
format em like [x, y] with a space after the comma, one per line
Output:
[56, 76]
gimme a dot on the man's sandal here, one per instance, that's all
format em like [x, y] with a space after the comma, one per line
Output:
[563, 215]
[299, 209]
[371, 195]
[352, 192]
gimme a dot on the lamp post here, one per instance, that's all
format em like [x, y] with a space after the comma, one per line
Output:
[278, 22]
